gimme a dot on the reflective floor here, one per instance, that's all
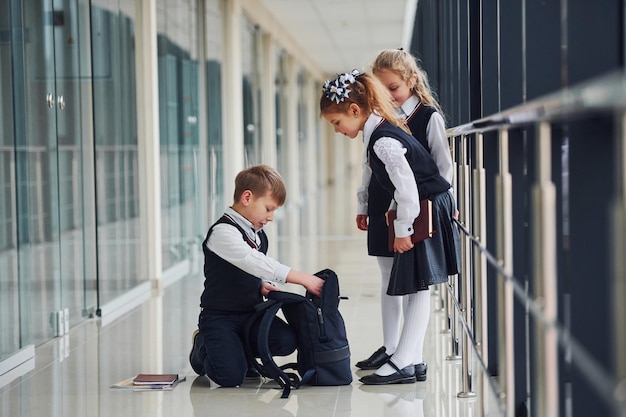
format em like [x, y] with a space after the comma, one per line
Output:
[72, 375]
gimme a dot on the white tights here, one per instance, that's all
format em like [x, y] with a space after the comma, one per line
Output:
[391, 307]
[411, 344]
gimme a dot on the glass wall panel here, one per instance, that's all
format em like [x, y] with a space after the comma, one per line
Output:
[44, 73]
[37, 185]
[251, 93]
[9, 303]
[306, 161]
[115, 136]
[281, 110]
[72, 75]
[178, 121]
[213, 159]
[282, 154]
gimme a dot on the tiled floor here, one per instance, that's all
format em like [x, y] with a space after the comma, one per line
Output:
[72, 376]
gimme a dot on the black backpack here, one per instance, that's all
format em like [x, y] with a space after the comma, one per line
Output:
[323, 356]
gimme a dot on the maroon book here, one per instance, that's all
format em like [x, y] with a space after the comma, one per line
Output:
[422, 226]
[155, 379]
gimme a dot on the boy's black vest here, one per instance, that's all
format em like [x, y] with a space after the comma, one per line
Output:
[429, 182]
[226, 287]
[418, 123]
[323, 353]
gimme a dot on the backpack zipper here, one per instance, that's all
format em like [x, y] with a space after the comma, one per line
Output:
[320, 322]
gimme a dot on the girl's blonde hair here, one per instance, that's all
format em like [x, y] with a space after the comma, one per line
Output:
[405, 66]
[370, 95]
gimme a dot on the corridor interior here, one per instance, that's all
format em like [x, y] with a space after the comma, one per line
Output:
[72, 375]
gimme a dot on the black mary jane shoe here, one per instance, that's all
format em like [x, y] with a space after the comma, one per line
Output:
[405, 375]
[375, 361]
[420, 371]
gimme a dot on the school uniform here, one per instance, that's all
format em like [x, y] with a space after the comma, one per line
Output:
[406, 170]
[235, 264]
[377, 230]
[373, 200]
[429, 128]
[417, 116]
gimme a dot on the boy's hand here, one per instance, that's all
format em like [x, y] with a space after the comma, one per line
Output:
[266, 287]
[314, 285]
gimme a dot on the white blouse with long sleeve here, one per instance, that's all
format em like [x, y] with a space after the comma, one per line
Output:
[437, 142]
[406, 195]
[435, 137]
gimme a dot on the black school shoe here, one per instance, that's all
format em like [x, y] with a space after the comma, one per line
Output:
[375, 361]
[405, 375]
[196, 364]
[420, 371]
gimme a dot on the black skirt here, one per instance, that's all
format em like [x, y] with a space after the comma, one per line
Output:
[432, 260]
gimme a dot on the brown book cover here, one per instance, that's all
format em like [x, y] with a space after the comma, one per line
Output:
[155, 379]
[422, 226]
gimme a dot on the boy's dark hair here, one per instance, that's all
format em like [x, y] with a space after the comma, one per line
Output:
[260, 179]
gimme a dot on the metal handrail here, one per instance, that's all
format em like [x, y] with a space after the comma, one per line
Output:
[600, 380]
[468, 331]
[604, 95]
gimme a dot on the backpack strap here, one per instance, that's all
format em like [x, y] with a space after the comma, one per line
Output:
[265, 312]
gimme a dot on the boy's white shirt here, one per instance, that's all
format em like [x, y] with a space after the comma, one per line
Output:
[226, 242]
[406, 195]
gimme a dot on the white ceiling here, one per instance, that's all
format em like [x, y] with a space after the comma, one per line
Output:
[340, 35]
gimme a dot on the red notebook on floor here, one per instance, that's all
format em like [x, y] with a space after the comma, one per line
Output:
[155, 379]
[422, 226]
